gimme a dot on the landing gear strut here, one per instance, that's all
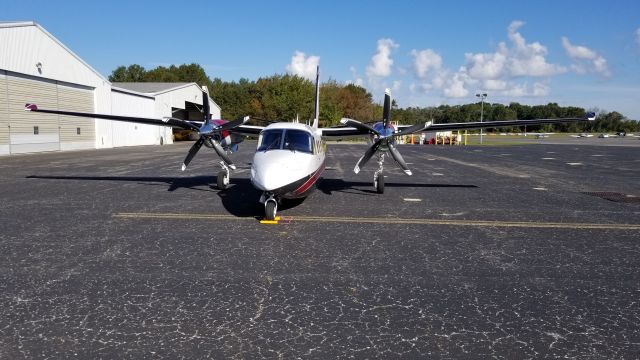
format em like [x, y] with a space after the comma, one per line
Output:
[223, 176]
[378, 176]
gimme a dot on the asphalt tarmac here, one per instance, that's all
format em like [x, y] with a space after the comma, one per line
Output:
[521, 251]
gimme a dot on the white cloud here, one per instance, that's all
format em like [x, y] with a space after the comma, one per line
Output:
[638, 36]
[424, 61]
[357, 80]
[577, 52]
[455, 86]
[396, 85]
[304, 66]
[495, 85]
[528, 59]
[586, 60]
[487, 66]
[381, 62]
[518, 59]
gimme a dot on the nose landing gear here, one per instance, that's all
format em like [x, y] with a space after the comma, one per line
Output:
[270, 206]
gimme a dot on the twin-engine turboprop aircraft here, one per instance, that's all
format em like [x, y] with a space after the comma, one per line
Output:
[290, 157]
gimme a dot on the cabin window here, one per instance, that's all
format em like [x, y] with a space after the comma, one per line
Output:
[36, 130]
[78, 131]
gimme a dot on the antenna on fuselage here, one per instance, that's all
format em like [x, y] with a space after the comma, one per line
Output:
[317, 111]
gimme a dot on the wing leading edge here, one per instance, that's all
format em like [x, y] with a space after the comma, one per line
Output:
[349, 131]
[167, 121]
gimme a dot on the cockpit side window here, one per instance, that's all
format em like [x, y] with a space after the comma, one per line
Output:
[298, 140]
[270, 140]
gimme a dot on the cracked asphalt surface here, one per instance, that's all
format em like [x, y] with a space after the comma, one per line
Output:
[79, 281]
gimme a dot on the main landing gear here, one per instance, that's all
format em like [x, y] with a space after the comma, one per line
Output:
[223, 176]
[378, 176]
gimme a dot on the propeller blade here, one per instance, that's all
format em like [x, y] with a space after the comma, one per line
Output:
[192, 152]
[220, 151]
[358, 125]
[205, 105]
[367, 155]
[235, 123]
[395, 154]
[413, 129]
[386, 110]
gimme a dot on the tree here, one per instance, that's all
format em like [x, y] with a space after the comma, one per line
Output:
[132, 73]
[285, 97]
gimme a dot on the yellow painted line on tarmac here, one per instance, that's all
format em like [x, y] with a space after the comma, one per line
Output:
[391, 221]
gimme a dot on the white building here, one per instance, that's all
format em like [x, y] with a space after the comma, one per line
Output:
[37, 68]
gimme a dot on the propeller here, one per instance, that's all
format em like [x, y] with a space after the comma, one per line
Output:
[210, 133]
[382, 140]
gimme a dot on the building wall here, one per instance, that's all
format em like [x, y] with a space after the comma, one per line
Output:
[36, 67]
[128, 134]
[4, 115]
[176, 99]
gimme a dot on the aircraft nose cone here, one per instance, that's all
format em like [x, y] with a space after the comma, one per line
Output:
[267, 176]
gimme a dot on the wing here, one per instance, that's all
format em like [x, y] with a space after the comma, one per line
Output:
[497, 124]
[342, 132]
[248, 130]
[167, 121]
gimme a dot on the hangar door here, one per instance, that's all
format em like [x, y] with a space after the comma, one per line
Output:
[34, 132]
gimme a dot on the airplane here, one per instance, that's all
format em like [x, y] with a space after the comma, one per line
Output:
[290, 157]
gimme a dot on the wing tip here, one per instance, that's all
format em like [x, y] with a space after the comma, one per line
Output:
[590, 116]
[31, 107]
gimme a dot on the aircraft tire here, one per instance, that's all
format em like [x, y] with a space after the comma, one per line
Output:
[222, 180]
[270, 208]
[380, 184]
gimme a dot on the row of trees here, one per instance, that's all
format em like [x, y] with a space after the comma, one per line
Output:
[286, 97]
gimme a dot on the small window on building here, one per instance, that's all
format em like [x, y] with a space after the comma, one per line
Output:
[78, 131]
[36, 130]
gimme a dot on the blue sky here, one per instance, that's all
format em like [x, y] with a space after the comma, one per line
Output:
[429, 53]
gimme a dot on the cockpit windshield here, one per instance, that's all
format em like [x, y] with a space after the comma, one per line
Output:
[286, 139]
[269, 140]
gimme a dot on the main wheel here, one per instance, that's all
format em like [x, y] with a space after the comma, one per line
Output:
[270, 208]
[223, 180]
[380, 183]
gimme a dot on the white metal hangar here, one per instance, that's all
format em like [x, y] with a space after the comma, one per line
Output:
[37, 68]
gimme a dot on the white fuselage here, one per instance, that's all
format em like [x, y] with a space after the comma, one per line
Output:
[288, 161]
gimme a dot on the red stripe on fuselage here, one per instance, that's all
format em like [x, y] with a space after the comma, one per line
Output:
[312, 180]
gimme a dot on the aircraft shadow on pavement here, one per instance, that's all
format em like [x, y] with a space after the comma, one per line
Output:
[240, 198]
[174, 183]
[328, 186]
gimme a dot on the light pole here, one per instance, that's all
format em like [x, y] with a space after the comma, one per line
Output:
[482, 96]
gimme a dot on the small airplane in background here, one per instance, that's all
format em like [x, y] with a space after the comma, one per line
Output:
[290, 157]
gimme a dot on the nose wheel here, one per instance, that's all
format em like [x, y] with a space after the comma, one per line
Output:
[270, 209]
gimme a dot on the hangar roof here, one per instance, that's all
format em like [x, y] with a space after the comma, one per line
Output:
[16, 24]
[152, 87]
